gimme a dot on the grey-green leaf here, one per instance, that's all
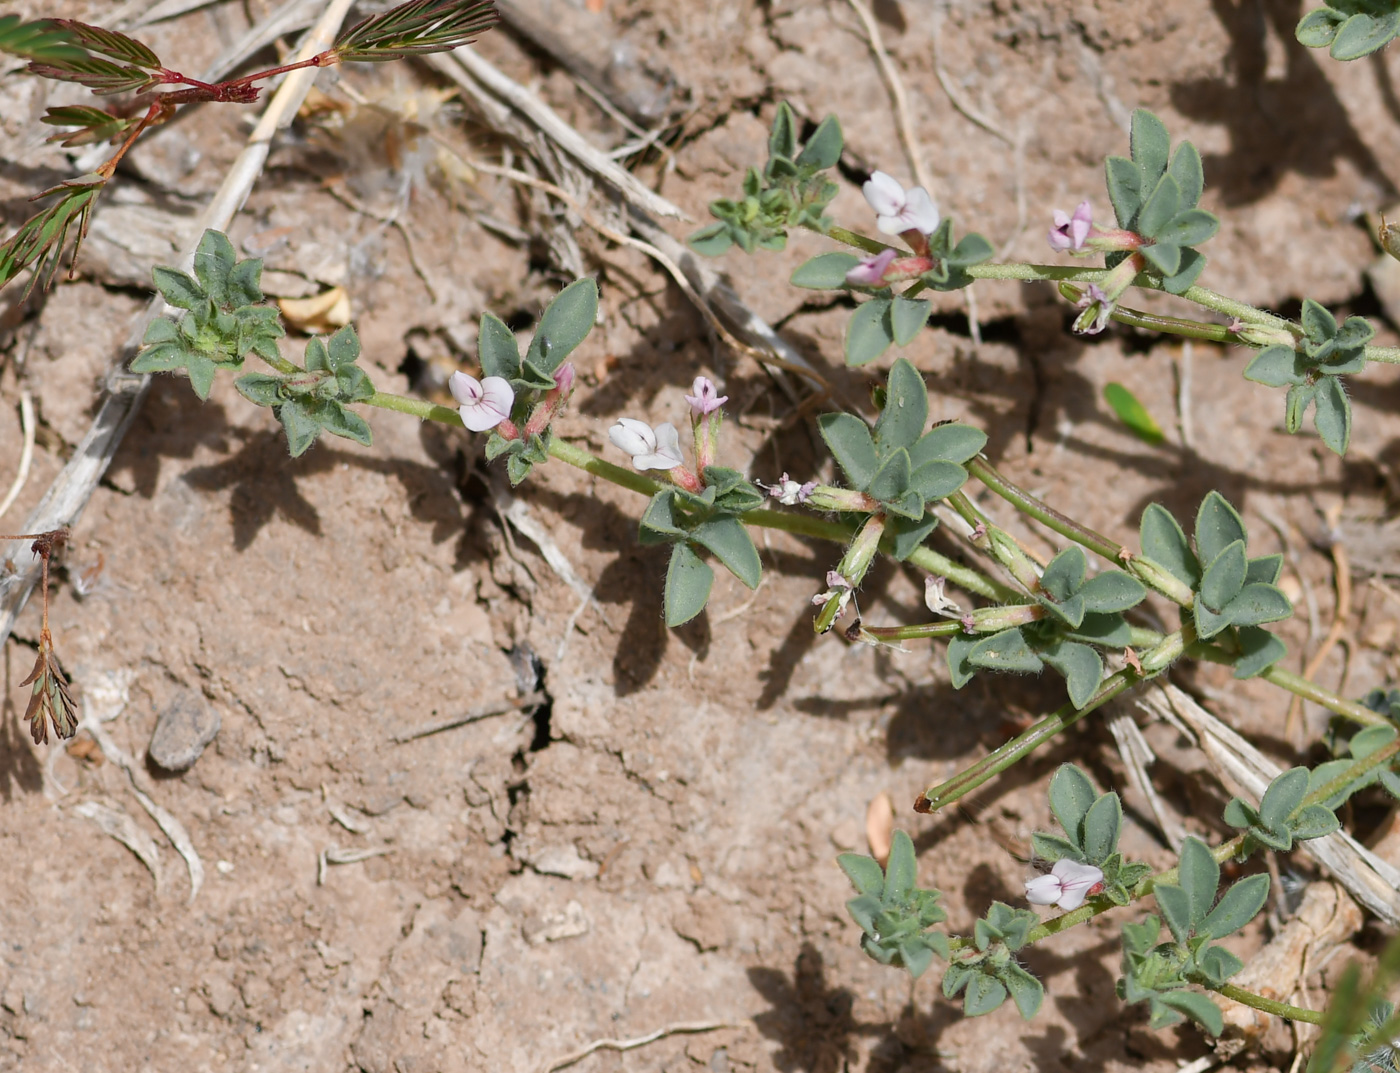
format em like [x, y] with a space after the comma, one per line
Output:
[908, 317]
[905, 412]
[1101, 827]
[1218, 525]
[824, 272]
[869, 332]
[564, 324]
[731, 544]
[1164, 543]
[1237, 907]
[1071, 797]
[848, 438]
[688, 583]
[1283, 796]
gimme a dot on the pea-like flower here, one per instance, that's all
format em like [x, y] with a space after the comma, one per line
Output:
[788, 491]
[658, 448]
[1067, 885]
[706, 399]
[485, 403]
[897, 209]
[1070, 232]
[871, 270]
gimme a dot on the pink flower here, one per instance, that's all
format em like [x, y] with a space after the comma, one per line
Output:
[706, 399]
[871, 271]
[658, 448]
[897, 209]
[1070, 232]
[484, 403]
[1067, 885]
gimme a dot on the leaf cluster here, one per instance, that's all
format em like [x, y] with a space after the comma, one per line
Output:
[40, 239]
[415, 29]
[563, 325]
[106, 62]
[313, 400]
[899, 465]
[707, 520]
[1155, 194]
[1281, 818]
[987, 974]
[1083, 614]
[790, 191]
[1232, 592]
[39, 40]
[1359, 746]
[1092, 823]
[1312, 372]
[1350, 29]
[224, 318]
[895, 915]
[1159, 973]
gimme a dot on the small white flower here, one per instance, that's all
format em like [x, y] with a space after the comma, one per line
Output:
[706, 399]
[484, 403]
[788, 491]
[898, 209]
[658, 448]
[936, 600]
[1067, 885]
[837, 586]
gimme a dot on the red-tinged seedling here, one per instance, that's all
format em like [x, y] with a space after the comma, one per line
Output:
[51, 702]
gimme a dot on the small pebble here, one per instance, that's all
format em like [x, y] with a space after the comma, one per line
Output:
[186, 726]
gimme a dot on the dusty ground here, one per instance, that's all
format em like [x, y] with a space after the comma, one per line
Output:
[656, 844]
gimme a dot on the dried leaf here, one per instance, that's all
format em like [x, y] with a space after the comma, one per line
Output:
[323, 312]
[51, 701]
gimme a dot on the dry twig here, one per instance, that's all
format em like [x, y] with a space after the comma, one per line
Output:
[640, 1041]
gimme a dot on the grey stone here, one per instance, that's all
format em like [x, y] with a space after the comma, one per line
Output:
[187, 725]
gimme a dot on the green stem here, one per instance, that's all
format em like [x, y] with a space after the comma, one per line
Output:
[419, 408]
[1202, 296]
[1048, 516]
[920, 632]
[1390, 355]
[859, 241]
[1268, 1005]
[1137, 318]
[1295, 684]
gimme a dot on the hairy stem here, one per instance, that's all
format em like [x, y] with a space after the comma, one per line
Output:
[1268, 1005]
[1048, 516]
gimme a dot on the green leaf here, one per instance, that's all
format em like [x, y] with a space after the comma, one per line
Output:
[937, 480]
[908, 317]
[865, 873]
[1259, 650]
[343, 348]
[1161, 208]
[905, 411]
[300, 427]
[1189, 228]
[1163, 256]
[1333, 414]
[1053, 848]
[1165, 544]
[1080, 666]
[201, 371]
[1133, 414]
[961, 669]
[1224, 577]
[1106, 631]
[1199, 877]
[1363, 34]
[731, 544]
[1112, 591]
[658, 524]
[39, 40]
[688, 583]
[1071, 797]
[1124, 182]
[179, 289]
[339, 421]
[564, 324]
[1257, 604]
[1218, 964]
[1005, 651]
[909, 535]
[1237, 907]
[782, 138]
[823, 148]
[1186, 169]
[901, 872]
[213, 264]
[1197, 1007]
[1265, 569]
[848, 439]
[1102, 825]
[1218, 525]
[261, 389]
[1175, 904]
[972, 249]
[1316, 29]
[983, 995]
[713, 240]
[1193, 263]
[1150, 145]
[496, 348]
[1317, 821]
[825, 272]
[891, 481]
[869, 332]
[1365, 742]
[1275, 366]
[1283, 797]
[1026, 991]
[1064, 574]
[949, 442]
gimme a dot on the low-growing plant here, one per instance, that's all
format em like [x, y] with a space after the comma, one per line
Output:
[899, 480]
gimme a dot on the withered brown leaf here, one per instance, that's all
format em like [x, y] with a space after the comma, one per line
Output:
[51, 701]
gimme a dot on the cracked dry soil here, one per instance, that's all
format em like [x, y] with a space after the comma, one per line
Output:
[655, 843]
